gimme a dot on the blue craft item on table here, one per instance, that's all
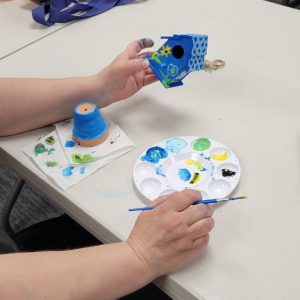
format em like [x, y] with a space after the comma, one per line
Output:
[90, 125]
[180, 55]
[62, 11]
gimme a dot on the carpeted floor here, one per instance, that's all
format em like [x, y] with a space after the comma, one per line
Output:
[30, 207]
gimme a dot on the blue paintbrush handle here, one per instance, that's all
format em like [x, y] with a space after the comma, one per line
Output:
[205, 201]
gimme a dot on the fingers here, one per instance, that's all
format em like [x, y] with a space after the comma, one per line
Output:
[201, 228]
[136, 47]
[159, 200]
[148, 79]
[133, 65]
[188, 244]
[145, 43]
[148, 53]
[194, 213]
[182, 200]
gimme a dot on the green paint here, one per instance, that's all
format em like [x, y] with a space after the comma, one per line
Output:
[40, 148]
[165, 79]
[50, 140]
[51, 164]
[201, 144]
[82, 159]
[155, 56]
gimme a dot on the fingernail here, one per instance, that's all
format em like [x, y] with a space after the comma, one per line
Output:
[146, 64]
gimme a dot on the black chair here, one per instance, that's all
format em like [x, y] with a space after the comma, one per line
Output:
[57, 233]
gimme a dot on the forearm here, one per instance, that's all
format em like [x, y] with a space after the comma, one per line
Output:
[30, 103]
[102, 272]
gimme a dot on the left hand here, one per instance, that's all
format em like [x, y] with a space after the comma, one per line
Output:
[128, 73]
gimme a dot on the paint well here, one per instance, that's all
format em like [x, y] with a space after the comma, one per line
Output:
[201, 144]
[175, 145]
[154, 154]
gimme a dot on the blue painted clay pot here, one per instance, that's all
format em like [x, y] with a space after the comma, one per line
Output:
[90, 128]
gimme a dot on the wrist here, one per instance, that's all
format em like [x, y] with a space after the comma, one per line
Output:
[100, 88]
[141, 263]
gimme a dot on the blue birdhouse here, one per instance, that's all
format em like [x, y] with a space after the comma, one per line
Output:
[178, 56]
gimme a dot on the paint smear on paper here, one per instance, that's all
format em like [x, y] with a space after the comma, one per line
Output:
[40, 149]
[69, 144]
[184, 174]
[67, 172]
[82, 170]
[50, 140]
[175, 145]
[155, 154]
[82, 159]
[201, 144]
[51, 164]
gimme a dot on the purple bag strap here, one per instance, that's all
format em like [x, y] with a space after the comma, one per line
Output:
[61, 11]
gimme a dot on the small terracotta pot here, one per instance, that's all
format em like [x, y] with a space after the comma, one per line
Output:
[90, 128]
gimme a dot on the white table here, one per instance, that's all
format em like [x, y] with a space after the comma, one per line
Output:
[18, 29]
[252, 106]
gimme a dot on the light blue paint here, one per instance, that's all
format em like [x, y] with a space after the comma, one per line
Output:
[68, 171]
[69, 144]
[160, 172]
[175, 145]
[82, 170]
[184, 174]
[154, 154]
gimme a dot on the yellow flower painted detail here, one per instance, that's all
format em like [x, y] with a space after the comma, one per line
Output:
[165, 51]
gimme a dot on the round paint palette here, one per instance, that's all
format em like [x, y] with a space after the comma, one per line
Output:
[187, 162]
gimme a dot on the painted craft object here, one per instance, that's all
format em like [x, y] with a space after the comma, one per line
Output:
[180, 55]
[187, 162]
[90, 128]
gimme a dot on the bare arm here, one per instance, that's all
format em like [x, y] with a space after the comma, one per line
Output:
[102, 272]
[161, 241]
[29, 103]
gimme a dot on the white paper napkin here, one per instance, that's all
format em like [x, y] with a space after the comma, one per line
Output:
[68, 165]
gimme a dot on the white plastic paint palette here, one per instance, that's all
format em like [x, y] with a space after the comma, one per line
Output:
[187, 162]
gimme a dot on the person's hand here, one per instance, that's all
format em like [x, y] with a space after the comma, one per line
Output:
[168, 236]
[128, 73]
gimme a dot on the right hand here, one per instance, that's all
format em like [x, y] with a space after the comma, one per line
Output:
[168, 236]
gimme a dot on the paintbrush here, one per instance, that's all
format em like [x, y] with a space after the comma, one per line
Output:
[205, 201]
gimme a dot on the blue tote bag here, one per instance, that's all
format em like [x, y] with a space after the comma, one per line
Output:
[62, 11]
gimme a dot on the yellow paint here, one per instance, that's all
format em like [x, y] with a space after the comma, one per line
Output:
[165, 51]
[222, 156]
[196, 163]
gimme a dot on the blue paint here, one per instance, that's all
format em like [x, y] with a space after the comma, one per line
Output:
[90, 125]
[160, 172]
[207, 158]
[155, 154]
[82, 170]
[69, 144]
[175, 145]
[184, 174]
[68, 171]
